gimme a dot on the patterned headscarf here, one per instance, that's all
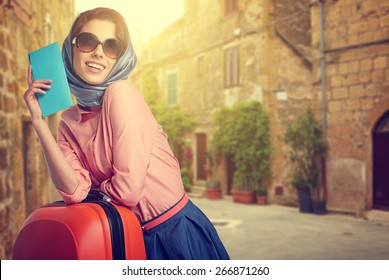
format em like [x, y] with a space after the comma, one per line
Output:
[92, 95]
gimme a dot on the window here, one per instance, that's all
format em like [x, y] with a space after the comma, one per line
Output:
[231, 67]
[172, 89]
[230, 7]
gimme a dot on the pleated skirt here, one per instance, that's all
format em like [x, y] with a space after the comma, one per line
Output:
[188, 235]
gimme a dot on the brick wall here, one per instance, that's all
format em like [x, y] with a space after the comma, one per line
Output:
[11, 179]
[357, 75]
[24, 182]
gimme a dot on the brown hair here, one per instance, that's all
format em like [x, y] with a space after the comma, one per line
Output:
[104, 14]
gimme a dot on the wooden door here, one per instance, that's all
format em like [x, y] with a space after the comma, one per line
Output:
[201, 156]
[381, 164]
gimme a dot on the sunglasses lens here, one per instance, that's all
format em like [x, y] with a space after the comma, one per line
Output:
[87, 42]
[112, 48]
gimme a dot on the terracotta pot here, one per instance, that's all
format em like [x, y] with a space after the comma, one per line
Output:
[215, 193]
[246, 197]
[262, 199]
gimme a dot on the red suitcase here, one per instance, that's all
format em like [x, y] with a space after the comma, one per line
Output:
[95, 229]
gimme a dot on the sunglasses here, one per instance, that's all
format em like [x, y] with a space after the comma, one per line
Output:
[88, 42]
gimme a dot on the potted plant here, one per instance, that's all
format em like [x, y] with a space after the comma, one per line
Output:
[212, 189]
[186, 179]
[242, 132]
[261, 193]
[307, 148]
[212, 185]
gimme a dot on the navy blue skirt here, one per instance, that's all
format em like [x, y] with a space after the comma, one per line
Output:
[188, 235]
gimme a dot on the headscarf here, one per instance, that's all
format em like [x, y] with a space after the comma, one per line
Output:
[92, 95]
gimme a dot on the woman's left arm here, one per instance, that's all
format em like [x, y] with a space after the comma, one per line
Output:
[133, 129]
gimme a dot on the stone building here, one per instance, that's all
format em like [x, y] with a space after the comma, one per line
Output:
[24, 183]
[331, 55]
[357, 90]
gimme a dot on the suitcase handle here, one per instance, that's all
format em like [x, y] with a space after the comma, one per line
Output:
[97, 195]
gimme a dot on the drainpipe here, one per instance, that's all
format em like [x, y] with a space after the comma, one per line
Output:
[322, 70]
[323, 94]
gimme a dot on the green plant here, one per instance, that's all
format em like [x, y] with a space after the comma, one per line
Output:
[212, 184]
[307, 147]
[261, 191]
[186, 179]
[243, 133]
[175, 123]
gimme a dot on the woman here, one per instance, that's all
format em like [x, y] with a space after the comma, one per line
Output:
[111, 142]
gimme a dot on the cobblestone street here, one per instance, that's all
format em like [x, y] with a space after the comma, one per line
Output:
[275, 232]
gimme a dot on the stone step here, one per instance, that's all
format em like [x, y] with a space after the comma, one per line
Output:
[377, 215]
[197, 190]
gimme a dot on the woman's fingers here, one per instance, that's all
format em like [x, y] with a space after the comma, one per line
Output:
[37, 83]
[30, 96]
[42, 84]
[38, 90]
[37, 87]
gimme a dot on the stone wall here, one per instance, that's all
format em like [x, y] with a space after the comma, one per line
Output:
[24, 182]
[357, 72]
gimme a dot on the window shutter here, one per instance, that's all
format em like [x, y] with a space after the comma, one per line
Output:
[227, 68]
[235, 66]
[231, 67]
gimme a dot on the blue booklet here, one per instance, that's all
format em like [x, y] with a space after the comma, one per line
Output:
[47, 64]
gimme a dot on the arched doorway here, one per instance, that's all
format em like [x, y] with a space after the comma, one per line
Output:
[381, 163]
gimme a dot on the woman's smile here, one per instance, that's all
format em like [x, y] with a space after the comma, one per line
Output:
[95, 67]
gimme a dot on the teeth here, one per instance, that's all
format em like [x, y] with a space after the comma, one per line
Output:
[94, 65]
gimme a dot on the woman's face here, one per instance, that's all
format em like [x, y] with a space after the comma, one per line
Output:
[94, 67]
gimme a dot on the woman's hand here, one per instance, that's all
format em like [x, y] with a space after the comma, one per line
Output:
[61, 172]
[30, 96]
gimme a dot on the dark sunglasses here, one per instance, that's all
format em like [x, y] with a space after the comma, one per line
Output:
[88, 42]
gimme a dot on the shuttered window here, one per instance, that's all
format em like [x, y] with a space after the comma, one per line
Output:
[230, 7]
[231, 67]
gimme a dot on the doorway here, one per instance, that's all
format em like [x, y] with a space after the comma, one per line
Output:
[201, 156]
[381, 163]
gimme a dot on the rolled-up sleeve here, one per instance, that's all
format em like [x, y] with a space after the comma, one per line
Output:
[133, 128]
[83, 177]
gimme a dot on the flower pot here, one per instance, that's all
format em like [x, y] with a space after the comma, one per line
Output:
[305, 200]
[319, 207]
[215, 193]
[262, 199]
[246, 197]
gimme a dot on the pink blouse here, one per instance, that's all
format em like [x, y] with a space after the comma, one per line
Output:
[120, 149]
